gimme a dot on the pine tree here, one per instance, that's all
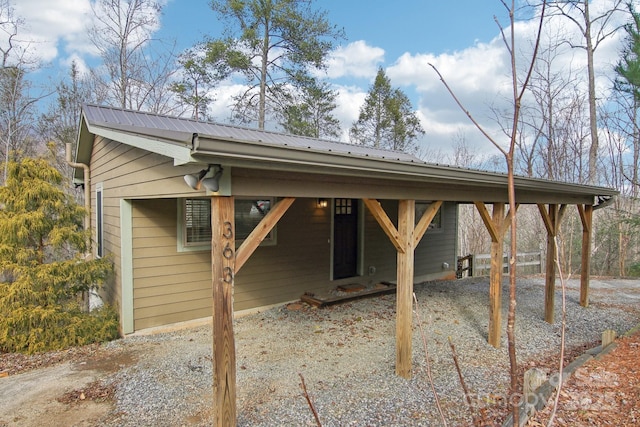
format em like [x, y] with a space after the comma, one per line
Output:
[274, 45]
[42, 269]
[386, 119]
[312, 114]
[627, 84]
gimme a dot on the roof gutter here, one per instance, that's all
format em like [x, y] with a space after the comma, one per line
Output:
[248, 154]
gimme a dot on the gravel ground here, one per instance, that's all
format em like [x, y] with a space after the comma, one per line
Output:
[346, 354]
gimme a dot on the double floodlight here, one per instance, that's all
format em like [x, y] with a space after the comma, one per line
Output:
[211, 183]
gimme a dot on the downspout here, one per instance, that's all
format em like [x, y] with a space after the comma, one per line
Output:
[87, 193]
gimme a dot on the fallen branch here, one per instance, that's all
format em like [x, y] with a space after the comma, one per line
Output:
[463, 384]
[306, 396]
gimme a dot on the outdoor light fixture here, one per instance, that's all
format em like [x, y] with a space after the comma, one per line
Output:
[211, 183]
[322, 203]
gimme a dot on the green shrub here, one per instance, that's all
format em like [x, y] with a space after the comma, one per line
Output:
[32, 330]
[42, 267]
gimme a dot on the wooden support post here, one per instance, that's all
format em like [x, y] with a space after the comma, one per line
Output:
[586, 216]
[497, 224]
[551, 219]
[224, 348]
[405, 239]
[404, 299]
[495, 278]
[550, 276]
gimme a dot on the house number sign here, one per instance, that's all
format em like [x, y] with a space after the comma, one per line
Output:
[228, 252]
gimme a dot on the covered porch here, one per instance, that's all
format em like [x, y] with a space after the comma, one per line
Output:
[405, 234]
[138, 156]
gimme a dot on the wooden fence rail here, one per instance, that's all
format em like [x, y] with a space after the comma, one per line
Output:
[480, 264]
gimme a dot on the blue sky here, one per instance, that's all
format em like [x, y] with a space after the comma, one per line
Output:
[459, 37]
[408, 25]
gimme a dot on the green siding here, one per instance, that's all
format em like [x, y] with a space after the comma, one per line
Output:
[172, 286]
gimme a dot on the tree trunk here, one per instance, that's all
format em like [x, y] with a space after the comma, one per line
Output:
[263, 79]
[593, 121]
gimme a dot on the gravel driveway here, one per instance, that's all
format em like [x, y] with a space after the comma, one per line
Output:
[346, 354]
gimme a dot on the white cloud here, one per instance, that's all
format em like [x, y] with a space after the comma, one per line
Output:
[480, 77]
[357, 59]
[474, 69]
[221, 108]
[56, 30]
[47, 23]
[349, 101]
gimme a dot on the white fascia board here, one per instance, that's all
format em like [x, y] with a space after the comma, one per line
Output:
[179, 153]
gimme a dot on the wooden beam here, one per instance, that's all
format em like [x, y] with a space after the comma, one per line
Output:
[403, 239]
[257, 235]
[550, 219]
[387, 225]
[497, 225]
[425, 220]
[488, 221]
[495, 277]
[586, 216]
[545, 218]
[325, 302]
[404, 297]
[224, 348]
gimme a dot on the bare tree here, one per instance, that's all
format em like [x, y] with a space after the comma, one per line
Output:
[593, 31]
[551, 89]
[17, 104]
[132, 75]
[59, 124]
[464, 155]
[518, 91]
[9, 25]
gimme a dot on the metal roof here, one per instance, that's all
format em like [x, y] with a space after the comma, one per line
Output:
[191, 141]
[182, 130]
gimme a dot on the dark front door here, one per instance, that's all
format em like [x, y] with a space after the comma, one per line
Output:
[345, 238]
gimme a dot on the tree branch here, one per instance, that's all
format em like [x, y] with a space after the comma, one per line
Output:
[306, 396]
[473, 120]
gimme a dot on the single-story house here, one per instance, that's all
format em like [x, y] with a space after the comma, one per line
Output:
[189, 210]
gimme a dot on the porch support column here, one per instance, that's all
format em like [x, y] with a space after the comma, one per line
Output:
[404, 299]
[495, 277]
[405, 239]
[224, 348]
[551, 217]
[497, 225]
[586, 216]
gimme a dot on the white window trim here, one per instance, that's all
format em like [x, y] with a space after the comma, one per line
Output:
[182, 246]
